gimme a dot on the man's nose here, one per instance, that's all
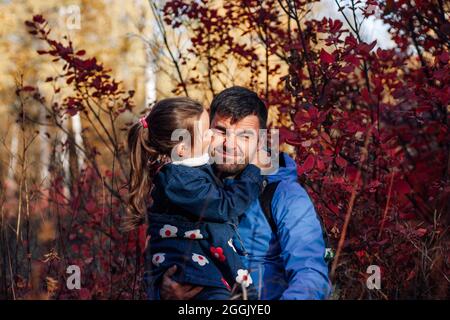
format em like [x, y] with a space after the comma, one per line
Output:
[229, 140]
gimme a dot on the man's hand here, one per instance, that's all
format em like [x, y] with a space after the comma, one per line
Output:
[172, 290]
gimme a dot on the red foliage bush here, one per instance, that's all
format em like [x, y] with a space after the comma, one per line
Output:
[79, 224]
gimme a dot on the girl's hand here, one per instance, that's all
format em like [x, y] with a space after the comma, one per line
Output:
[262, 159]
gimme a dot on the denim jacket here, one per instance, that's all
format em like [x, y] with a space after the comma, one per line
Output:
[193, 224]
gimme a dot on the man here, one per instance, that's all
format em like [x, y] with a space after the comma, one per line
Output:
[285, 264]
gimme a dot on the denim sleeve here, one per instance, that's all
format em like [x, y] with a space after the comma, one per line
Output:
[153, 293]
[202, 197]
[302, 244]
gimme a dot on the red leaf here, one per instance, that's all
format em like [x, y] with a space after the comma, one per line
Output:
[320, 165]
[308, 164]
[84, 294]
[72, 111]
[70, 80]
[411, 275]
[373, 186]
[352, 59]
[351, 41]
[28, 88]
[407, 216]
[334, 208]
[360, 253]
[402, 187]
[341, 162]
[326, 57]
[366, 95]
[365, 48]
[444, 57]
[286, 134]
[38, 19]
[335, 26]
[347, 68]
[91, 206]
[421, 232]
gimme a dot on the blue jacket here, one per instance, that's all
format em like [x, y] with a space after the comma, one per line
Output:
[289, 265]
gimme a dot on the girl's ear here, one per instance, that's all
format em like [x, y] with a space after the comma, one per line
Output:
[181, 150]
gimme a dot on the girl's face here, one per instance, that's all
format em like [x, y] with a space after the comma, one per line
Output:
[202, 136]
[201, 139]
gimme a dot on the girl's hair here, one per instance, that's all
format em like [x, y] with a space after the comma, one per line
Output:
[150, 146]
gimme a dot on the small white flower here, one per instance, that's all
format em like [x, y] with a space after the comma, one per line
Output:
[201, 260]
[193, 234]
[168, 231]
[230, 243]
[244, 278]
[158, 258]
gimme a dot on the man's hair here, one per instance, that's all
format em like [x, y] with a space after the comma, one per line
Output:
[238, 102]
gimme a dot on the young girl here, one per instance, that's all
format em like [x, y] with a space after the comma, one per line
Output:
[193, 217]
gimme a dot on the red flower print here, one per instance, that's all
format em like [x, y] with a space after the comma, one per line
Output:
[193, 234]
[201, 260]
[217, 253]
[168, 231]
[243, 278]
[158, 258]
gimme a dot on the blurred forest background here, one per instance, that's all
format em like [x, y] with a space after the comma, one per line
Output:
[359, 90]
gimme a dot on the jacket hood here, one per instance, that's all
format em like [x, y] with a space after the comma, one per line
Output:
[287, 169]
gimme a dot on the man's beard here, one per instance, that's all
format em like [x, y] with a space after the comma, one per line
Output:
[225, 170]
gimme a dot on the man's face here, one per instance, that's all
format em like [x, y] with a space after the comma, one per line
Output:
[233, 144]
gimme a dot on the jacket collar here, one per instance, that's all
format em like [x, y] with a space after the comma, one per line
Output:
[194, 161]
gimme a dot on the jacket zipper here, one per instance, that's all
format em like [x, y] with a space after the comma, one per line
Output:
[239, 238]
